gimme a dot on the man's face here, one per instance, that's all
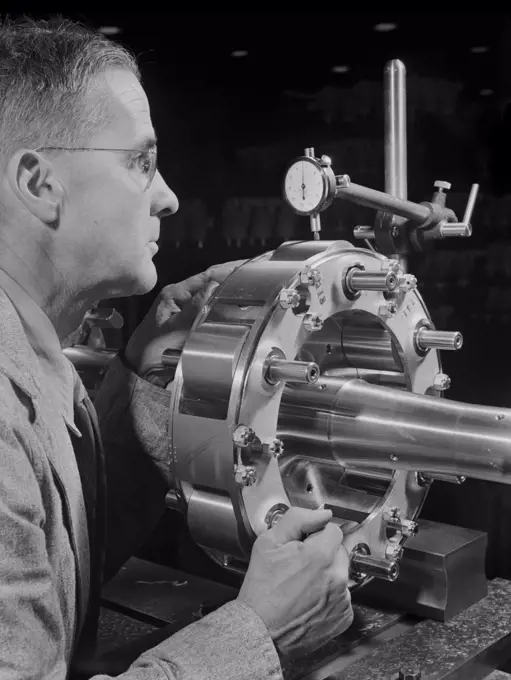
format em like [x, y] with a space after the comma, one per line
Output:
[110, 221]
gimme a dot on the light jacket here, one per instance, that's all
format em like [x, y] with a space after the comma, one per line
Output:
[44, 542]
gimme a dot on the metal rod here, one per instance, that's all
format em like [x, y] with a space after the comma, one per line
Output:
[395, 129]
[467, 217]
[378, 200]
[292, 371]
[429, 339]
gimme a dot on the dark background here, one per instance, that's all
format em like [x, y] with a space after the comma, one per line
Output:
[228, 126]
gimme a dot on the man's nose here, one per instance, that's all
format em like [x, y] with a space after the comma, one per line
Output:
[165, 202]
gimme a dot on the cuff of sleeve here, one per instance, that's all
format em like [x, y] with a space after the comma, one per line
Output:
[231, 643]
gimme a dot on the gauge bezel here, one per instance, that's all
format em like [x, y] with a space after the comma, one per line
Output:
[327, 193]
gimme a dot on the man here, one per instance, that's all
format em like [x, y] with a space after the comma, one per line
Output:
[80, 207]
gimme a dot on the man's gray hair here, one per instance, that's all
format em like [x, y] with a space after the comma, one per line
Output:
[46, 70]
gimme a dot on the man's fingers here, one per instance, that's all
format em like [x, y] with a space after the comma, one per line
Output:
[219, 272]
[326, 542]
[298, 523]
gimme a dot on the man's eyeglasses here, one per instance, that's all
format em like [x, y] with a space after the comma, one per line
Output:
[142, 161]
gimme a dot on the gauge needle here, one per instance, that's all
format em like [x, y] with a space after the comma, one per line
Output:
[303, 181]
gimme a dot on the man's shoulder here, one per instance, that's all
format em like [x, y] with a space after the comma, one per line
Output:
[17, 360]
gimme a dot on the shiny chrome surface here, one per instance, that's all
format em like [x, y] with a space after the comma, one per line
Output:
[221, 385]
[366, 424]
[396, 174]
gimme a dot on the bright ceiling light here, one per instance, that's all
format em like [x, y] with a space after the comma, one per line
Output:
[479, 49]
[239, 53]
[385, 27]
[110, 30]
[340, 69]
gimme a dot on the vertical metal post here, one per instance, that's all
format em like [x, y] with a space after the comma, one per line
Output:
[396, 172]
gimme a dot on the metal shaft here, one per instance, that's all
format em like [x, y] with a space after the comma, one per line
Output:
[395, 129]
[430, 339]
[379, 200]
[292, 371]
[352, 421]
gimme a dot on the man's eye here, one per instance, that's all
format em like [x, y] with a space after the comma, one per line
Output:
[143, 163]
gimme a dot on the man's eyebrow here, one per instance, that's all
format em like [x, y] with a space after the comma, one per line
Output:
[146, 143]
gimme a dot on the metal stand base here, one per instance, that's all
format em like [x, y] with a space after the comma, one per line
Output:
[442, 573]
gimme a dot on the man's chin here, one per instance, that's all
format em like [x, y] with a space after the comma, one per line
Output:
[143, 282]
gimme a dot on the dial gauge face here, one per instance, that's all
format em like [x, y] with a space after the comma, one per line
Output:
[304, 186]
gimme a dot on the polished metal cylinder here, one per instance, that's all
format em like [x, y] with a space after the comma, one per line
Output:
[377, 567]
[291, 371]
[455, 229]
[378, 200]
[367, 344]
[395, 129]
[361, 232]
[370, 425]
[430, 339]
[358, 280]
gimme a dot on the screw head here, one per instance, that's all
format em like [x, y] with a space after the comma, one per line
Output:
[312, 322]
[275, 448]
[289, 298]
[243, 436]
[441, 382]
[245, 476]
[310, 276]
[407, 282]
[439, 184]
[387, 311]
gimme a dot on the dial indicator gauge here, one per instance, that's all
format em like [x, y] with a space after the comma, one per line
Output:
[305, 186]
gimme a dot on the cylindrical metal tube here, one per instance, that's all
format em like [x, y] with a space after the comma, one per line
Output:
[430, 339]
[369, 425]
[361, 232]
[455, 229]
[467, 217]
[366, 344]
[292, 371]
[395, 129]
[357, 280]
[374, 566]
[378, 200]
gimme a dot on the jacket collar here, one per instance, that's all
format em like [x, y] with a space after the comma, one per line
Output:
[30, 351]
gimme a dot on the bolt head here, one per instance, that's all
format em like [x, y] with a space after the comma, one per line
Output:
[243, 436]
[312, 322]
[325, 160]
[343, 181]
[310, 276]
[245, 476]
[407, 282]
[275, 448]
[392, 266]
[387, 311]
[393, 551]
[441, 382]
[289, 298]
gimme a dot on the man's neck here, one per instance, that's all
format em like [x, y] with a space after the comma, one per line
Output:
[48, 289]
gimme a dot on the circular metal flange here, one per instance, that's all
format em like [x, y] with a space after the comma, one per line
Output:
[220, 383]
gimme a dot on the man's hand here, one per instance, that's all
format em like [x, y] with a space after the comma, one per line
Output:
[171, 316]
[297, 581]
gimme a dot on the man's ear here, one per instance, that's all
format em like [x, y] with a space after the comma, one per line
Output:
[33, 181]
